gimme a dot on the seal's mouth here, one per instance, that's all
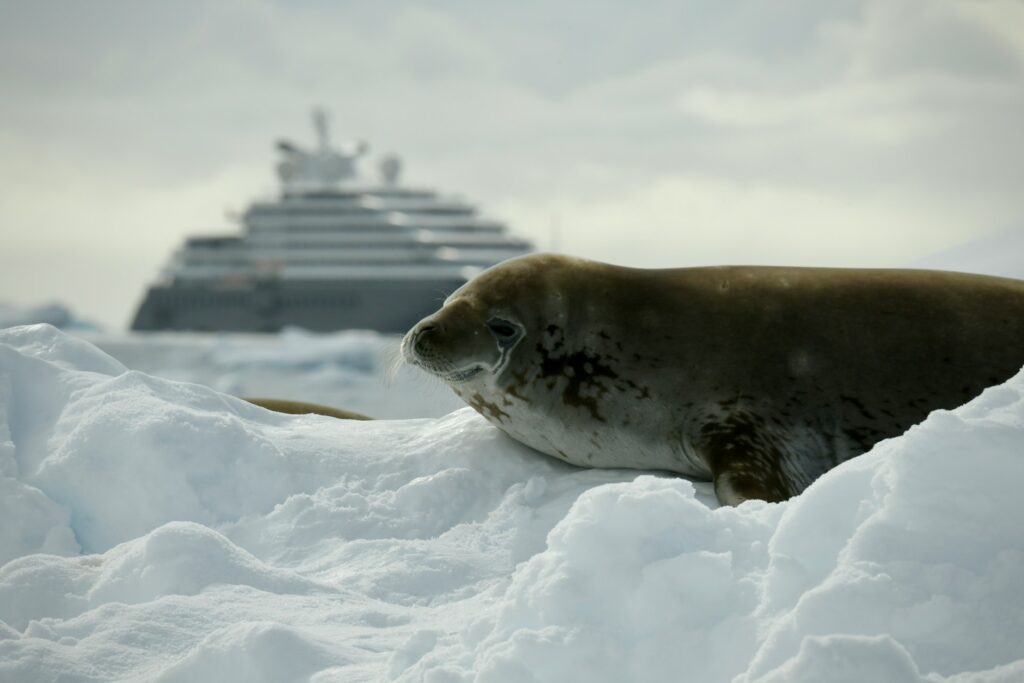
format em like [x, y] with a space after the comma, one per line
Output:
[439, 367]
[445, 371]
[425, 346]
[464, 375]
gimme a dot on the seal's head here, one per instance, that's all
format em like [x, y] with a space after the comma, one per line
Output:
[531, 345]
[474, 335]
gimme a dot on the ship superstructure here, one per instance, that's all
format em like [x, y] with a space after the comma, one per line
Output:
[332, 252]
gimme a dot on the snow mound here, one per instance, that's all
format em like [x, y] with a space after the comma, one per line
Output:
[160, 530]
[354, 370]
[257, 652]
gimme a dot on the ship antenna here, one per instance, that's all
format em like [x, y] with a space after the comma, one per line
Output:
[320, 126]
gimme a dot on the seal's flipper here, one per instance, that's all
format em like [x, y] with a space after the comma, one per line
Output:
[736, 483]
[745, 461]
[303, 408]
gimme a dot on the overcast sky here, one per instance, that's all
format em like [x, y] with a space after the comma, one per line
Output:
[658, 133]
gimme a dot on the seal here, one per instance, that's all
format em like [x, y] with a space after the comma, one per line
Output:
[304, 408]
[757, 378]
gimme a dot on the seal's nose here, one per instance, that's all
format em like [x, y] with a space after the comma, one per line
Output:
[422, 333]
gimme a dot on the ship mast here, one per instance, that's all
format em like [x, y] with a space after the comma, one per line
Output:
[321, 168]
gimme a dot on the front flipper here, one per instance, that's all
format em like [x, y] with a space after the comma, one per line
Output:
[745, 461]
[304, 408]
[734, 484]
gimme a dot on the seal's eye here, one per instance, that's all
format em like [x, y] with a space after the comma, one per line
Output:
[505, 332]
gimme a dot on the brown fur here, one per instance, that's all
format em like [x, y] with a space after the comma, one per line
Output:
[303, 408]
[762, 378]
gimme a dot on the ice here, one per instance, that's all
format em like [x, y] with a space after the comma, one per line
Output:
[155, 529]
[58, 315]
[358, 371]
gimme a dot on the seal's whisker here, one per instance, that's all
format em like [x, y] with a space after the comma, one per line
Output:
[391, 362]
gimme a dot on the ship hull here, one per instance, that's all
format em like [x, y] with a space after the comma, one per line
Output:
[387, 306]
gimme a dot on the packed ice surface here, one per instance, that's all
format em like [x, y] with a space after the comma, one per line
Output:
[153, 530]
[358, 371]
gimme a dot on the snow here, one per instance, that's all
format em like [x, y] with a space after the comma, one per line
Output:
[159, 530]
[54, 314]
[357, 371]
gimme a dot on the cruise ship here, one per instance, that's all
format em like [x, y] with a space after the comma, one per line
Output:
[332, 252]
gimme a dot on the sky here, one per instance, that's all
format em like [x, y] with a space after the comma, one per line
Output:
[802, 132]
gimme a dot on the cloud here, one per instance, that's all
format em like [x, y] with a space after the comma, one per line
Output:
[692, 220]
[816, 131]
[946, 38]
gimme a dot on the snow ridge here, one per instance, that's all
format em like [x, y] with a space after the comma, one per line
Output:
[160, 530]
